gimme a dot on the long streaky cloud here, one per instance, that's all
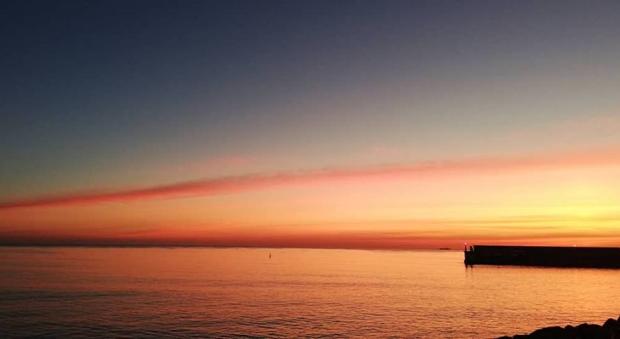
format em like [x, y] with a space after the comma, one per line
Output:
[214, 186]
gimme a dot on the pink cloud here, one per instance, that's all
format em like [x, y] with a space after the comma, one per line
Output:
[214, 186]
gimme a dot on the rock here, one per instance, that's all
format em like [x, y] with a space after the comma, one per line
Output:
[612, 324]
[555, 332]
[571, 332]
[593, 332]
[609, 330]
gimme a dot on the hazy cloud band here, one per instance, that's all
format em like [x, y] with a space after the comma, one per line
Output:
[214, 186]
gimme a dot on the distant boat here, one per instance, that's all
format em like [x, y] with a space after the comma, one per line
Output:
[444, 248]
[269, 255]
[590, 257]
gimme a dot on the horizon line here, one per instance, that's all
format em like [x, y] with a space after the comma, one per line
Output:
[164, 246]
[81, 245]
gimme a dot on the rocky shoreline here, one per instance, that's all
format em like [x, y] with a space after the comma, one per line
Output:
[609, 330]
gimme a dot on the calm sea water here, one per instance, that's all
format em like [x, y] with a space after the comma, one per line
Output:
[191, 292]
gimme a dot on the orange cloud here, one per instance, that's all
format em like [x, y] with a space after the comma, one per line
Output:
[392, 240]
[221, 185]
[383, 234]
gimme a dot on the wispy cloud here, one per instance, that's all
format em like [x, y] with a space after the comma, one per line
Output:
[421, 170]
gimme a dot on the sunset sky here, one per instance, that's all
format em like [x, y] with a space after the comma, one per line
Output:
[338, 124]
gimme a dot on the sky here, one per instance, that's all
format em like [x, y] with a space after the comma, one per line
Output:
[331, 124]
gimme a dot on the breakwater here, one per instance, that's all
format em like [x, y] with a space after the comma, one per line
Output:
[591, 257]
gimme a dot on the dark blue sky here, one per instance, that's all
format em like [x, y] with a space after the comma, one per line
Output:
[99, 93]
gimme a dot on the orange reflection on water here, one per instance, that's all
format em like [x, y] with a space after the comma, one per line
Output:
[207, 292]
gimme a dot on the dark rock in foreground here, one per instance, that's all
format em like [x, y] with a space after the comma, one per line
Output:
[609, 330]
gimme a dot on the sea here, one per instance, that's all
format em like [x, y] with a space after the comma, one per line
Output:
[61, 292]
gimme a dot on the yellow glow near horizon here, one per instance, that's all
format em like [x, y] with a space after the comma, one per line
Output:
[551, 206]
